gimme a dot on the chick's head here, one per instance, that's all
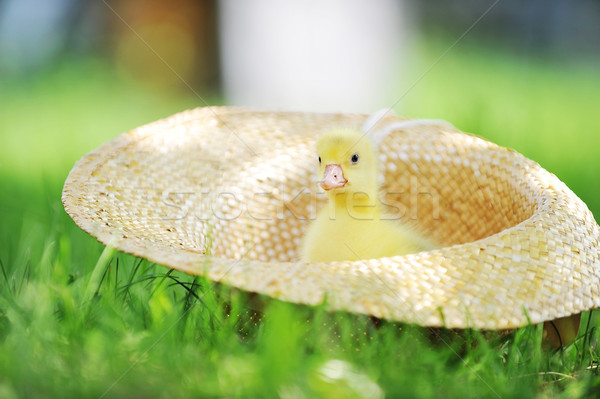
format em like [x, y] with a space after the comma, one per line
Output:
[347, 162]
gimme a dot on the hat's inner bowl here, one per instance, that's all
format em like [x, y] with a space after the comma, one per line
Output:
[452, 196]
[186, 184]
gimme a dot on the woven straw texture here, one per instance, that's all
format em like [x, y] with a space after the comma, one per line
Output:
[228, 193]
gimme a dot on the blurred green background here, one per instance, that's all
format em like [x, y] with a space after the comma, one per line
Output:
[74, 74]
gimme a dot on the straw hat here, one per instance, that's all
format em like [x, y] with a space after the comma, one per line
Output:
[228, 193]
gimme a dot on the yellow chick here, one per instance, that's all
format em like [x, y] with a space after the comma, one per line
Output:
[353, 226]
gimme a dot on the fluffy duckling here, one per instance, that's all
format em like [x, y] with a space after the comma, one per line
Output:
[353, 226]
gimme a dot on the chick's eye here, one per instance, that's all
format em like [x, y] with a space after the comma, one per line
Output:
[319, 160]
[354, 158]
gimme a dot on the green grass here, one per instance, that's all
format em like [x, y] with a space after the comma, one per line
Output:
[78, 320]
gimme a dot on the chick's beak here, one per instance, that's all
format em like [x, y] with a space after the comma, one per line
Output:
[334, 177]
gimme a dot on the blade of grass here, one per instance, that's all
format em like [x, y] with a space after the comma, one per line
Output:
[4, 273]
[98, 273]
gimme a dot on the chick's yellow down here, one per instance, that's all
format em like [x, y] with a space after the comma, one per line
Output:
[353, 225]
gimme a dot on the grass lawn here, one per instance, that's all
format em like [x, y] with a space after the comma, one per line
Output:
[78, 320]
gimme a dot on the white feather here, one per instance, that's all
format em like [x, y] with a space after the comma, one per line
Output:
[378, 135]
[373, 119]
